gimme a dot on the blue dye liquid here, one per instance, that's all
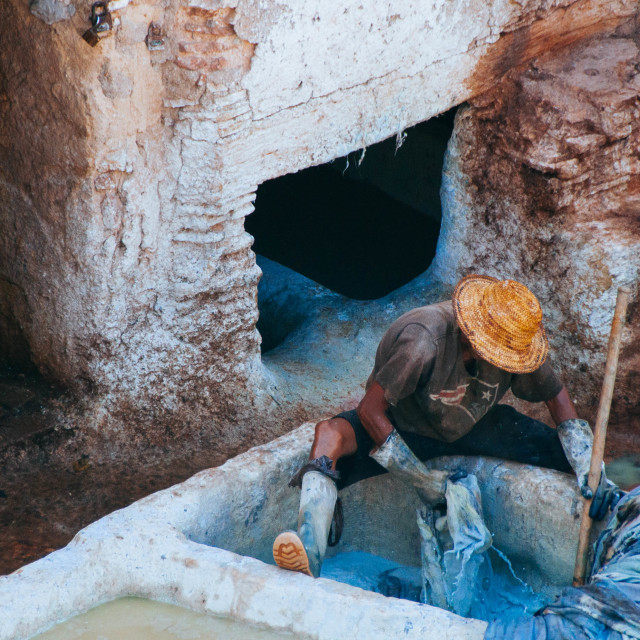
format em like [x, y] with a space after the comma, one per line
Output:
[374, 573]
[498, 591]
[503, 594]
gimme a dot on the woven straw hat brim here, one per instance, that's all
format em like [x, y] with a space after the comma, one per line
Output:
[466, 306]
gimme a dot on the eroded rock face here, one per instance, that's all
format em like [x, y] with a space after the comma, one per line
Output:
[126, 275]
[126, 173]
[542, 185]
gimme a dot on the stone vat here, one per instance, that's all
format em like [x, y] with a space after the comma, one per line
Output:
[206, 543]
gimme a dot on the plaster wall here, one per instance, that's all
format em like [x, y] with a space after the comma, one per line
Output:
[126, 174]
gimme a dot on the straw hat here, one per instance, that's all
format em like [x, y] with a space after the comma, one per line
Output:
[503, 321]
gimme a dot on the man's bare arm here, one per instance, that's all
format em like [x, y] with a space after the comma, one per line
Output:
[372, 413]
[561, 407]
[392, 452]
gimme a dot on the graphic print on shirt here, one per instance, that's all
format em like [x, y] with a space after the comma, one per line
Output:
[474, 398]
[451, 397]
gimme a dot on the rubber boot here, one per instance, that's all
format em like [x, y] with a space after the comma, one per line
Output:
[304, 550]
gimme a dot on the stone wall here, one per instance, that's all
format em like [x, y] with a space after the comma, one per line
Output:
[542, 184]
[125, 175]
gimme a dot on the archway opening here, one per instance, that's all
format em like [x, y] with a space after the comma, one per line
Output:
[362, 225]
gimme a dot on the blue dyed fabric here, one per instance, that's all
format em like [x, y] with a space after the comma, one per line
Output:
[463, 578]
[608, 607]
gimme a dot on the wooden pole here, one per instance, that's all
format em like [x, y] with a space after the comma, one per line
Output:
[600, 432]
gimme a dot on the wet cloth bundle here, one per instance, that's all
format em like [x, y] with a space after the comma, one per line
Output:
[458, 561]
[608, 608]
[452, 579]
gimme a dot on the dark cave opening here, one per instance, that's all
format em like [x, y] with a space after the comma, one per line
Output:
[362, 225]
[350, 237]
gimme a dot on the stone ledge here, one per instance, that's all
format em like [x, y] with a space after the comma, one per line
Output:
[155, 549]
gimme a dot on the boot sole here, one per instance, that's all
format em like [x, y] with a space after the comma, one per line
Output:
[289, 553]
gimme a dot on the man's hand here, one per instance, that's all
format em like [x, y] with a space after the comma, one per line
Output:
[577, 441]
[607, 496]
[575, 436]
[396, 457]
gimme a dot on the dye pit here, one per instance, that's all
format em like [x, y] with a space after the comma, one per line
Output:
[206, 545]
[625, 471]
[138, 619]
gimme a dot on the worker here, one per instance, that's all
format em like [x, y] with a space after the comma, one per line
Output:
[439, 373]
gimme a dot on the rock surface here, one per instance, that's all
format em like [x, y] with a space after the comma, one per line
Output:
[542, 185]
[125, 175]
[52, 10]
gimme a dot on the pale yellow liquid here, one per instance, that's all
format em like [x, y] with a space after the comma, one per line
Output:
[136, 619]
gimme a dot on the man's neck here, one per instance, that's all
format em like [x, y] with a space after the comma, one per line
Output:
[468, 356]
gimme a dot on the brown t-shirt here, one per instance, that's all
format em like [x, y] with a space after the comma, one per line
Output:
[420, 367]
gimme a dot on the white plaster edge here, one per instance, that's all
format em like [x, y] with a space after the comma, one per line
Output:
[141, 551]
[117, 5]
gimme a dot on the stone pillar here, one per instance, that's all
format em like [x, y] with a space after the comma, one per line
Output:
[126, 270]
[542, 184]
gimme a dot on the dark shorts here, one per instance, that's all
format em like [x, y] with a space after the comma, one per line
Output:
[502, 433]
